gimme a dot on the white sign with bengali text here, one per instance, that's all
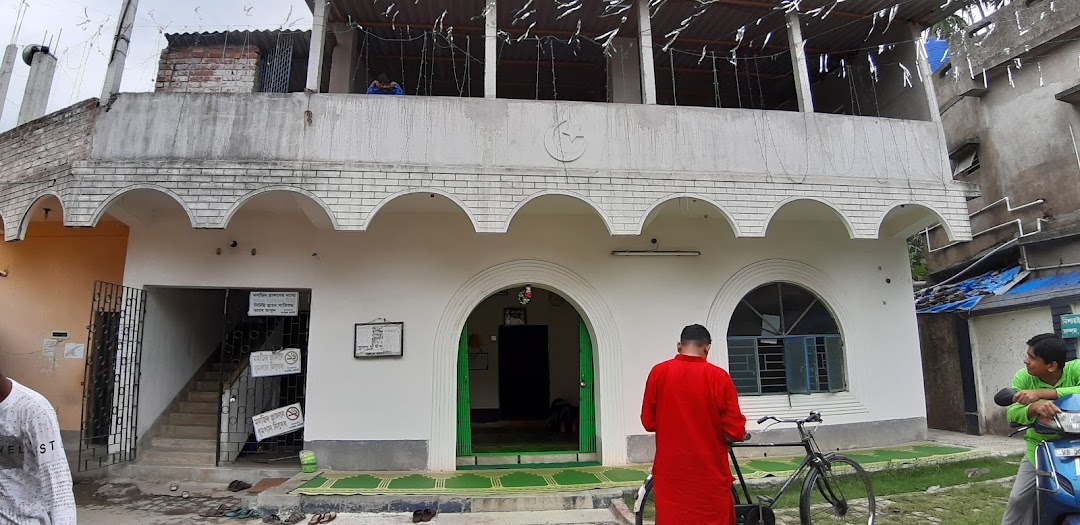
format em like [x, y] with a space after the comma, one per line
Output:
[278, 421]
[276, 363]
[274, 304]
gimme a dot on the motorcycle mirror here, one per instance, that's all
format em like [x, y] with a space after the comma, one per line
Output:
[1004, 397]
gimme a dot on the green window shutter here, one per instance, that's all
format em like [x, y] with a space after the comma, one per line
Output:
[797, 364]
[834, 362]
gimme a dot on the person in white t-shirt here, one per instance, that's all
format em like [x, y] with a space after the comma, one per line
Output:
[35, 481]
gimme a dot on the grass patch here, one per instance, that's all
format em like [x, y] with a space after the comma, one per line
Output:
[902, 483]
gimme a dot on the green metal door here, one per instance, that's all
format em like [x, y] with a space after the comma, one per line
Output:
[464, 407]
[587, 404]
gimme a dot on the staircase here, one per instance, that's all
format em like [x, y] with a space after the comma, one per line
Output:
[189, 434]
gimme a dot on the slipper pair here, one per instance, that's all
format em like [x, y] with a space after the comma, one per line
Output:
[237, 486]
[323, 518]
[423, 515]
[293, 519]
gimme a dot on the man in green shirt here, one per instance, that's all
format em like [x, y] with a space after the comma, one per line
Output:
[1046, 377]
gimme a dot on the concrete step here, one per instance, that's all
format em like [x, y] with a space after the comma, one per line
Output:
[189, 431]
[195, 396]
[194, 407]
[170, 457]
[188, 445]
[207, 386]
[204, 420]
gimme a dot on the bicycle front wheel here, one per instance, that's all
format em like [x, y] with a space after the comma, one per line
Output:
[837, 493]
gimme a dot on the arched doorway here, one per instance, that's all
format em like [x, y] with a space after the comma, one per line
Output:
[783, 339]
[526, 391]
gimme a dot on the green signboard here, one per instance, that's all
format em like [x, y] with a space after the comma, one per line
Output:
[1070, 326]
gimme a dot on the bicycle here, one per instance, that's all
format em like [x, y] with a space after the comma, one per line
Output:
[847, 494]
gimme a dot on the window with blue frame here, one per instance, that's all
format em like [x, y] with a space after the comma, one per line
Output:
[784, 340]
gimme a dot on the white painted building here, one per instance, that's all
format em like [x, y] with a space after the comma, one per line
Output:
[636, 218]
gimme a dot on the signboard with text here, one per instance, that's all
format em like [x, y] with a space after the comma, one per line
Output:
[274, 304]
[278, 421]
[276, 363]
[1070, 326]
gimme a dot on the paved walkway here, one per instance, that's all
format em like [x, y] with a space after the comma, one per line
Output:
[996, 445]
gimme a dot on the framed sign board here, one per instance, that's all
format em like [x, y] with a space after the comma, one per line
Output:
[379, 340]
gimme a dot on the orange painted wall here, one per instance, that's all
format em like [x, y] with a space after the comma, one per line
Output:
[49, 286]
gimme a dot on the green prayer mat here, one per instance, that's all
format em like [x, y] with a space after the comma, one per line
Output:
[570, 478]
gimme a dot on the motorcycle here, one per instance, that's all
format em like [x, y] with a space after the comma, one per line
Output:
[1057, 461]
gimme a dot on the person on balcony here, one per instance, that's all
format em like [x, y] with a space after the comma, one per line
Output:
[383, 86]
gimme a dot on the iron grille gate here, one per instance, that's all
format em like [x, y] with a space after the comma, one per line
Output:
[244, 396]
[277, 66]
[111, 380]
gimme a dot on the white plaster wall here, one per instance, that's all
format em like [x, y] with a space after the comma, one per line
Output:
[407, 266]
[182, 328]
[998, 344]
[563, 335]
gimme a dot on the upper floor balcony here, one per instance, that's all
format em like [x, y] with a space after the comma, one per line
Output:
[747, 105]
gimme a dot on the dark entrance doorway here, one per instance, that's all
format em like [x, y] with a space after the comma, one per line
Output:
[524, 379]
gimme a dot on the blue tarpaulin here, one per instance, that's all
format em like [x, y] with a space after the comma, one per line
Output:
[1069, 280]
[963, 295]
[937, 53]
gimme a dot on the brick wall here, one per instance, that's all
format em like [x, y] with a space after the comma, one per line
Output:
[216, 69]
[48, 145]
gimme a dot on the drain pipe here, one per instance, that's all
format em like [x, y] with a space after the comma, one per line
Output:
[976, 263]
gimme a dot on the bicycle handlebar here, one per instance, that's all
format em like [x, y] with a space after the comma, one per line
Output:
[814, 417]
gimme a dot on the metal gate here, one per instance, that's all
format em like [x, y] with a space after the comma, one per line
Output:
[111, 380]
[244, 396]
[277, 66]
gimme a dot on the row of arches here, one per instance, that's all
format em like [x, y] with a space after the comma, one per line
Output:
[893, 220]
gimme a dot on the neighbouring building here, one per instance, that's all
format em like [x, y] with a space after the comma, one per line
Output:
[1008, 99]
[484, 270]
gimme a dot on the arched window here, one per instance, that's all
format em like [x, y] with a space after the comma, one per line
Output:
[783, 340]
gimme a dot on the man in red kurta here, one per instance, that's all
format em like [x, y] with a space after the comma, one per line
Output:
[693, 408]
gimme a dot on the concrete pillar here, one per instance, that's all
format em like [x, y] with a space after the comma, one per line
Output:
[923, 73]
[624, 72]
[648, 71]
[491, 49]
[6, 68]
[343, 66]
[38, 85]
[318, 46]
[118, 56]
[798, 63]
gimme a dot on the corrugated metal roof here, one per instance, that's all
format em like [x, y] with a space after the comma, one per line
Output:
[265, 40]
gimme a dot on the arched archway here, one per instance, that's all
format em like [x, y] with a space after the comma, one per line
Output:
[525, 381]
[906, 219]
[142, 203]
[551, 202]
[688, 205]
[46, 207]
[278, 199]
[807, 209]
[598, 320]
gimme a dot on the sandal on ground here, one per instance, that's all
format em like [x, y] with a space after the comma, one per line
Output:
[273, 518]
[428, 515]
[241, 514]
[315, 519]
[417, 516]
[294, 518]
[328, 517]
[237, 486]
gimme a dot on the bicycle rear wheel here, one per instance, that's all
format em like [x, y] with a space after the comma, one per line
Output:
[644, 508]
[838, 493]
